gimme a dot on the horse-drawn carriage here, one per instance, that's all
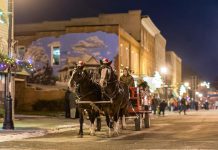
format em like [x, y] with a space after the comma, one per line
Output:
[107, 96]
[137, 111]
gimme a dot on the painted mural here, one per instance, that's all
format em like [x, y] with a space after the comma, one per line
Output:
[57, 51]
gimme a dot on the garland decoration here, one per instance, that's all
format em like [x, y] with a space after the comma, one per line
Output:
[13, 64]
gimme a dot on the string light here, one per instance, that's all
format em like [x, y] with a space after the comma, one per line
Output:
[14, 64]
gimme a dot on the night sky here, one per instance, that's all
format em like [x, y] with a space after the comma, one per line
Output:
[189, 26]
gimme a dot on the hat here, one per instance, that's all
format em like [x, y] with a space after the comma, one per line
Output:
[80, 64]
[105, 61]
[127, 69]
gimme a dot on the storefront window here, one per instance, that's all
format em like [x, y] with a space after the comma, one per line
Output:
[56, 55]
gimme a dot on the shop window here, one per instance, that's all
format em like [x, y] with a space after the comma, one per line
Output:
[56, 55]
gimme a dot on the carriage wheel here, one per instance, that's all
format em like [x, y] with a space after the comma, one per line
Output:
[137, 123]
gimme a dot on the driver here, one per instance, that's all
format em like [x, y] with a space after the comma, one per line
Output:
[127, 78]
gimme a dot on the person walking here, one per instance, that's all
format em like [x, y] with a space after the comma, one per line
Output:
[196, 105]
[154, 104]
[206, 105]
[162, 107]
[183, 106]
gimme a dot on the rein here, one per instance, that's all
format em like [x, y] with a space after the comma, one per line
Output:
[79, 98]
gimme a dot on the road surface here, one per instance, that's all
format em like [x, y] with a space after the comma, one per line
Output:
[196, 130]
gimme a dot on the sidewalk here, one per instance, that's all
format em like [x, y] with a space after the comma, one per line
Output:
[34, 126]
[27, 126]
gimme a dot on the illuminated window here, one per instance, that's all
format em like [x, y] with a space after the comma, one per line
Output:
[56, 55]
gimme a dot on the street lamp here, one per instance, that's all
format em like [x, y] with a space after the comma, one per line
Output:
[205, 84]
[8, 117]
[163, 70]
[186, 84]
[200, 95]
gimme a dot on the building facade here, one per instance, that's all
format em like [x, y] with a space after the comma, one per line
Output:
[3, 39]
[75, 43]
[160, 52]
[174, 65]
[136, 40]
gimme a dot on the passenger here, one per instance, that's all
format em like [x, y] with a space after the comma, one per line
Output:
[144, 93]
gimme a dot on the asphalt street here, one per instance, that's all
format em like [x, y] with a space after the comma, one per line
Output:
[196, 130]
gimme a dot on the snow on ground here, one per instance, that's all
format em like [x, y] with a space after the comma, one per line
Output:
[12, 135]
[18, 135]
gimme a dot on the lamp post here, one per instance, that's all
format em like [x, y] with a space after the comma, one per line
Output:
[8, 118]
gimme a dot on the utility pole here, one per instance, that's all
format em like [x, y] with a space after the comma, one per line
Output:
[194, 86]
[8, 102]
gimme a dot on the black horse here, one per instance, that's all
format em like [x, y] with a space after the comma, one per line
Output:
[87, 90]
[118, 93]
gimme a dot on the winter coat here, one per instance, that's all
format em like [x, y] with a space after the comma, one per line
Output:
[128, 80]
[163, 105]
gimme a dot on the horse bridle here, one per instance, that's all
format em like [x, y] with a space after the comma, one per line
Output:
[69, 85]
[113, 95]
[71, 78]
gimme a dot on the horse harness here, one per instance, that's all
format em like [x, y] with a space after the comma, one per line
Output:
[118, 90]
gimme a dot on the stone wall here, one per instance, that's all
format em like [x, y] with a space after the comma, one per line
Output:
[26, 96]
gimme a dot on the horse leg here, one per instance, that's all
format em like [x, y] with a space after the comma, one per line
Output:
[81, 120]
[92, 121]
[109, 124]
[109, 121]
[98, 122]
[123, 119]
[123, 122]
[116, 125]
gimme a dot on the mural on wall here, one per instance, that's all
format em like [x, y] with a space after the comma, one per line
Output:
[72, 47]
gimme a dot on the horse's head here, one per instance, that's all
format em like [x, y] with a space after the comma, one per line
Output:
[78, 75]
[107, 76]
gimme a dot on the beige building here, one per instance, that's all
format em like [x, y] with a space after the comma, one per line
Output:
[160, 50]
[141, 45]
[3, 38]
[153, 47]
[3, 25]
[174, 65]
[128, 47]
[4, 32]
